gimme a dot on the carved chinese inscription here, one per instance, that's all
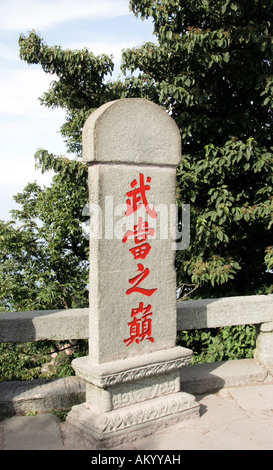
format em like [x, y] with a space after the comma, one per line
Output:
[141, 323]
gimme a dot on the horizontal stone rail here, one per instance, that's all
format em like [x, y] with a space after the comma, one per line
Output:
[191, 314]
[44, 324]
[227, 311]
[43, 396]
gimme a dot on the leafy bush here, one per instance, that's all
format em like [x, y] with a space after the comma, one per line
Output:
[39, 360]
[49, 359]
[219, 344]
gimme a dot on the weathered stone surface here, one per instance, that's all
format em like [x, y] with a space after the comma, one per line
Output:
[135, 146]
[46, 395]
[131, 422]
[45, 324]
[41, 396]
[112, 265]
[132, 368]
[239, 419]
[211, 377]
[228, 311]
[132, 371]
[192, 314]
[131, 131]
[254, 398]
[136, 379]
[40, 432]
[264, 344]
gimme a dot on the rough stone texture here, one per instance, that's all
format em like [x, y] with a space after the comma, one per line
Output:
[234, 419]
[136, 379]
[131, 131]
[40, 432]
[40, 396]
[45, 324]
[132, 371]
[226, 423]
[228, 311]
[110, 314]
[107, 430]
[264, 344]
[211, 377]
[143, 137]
[44, 396]
[140, 394]
[119, 396]
[192, 314]
[256, 398]
[132, 368]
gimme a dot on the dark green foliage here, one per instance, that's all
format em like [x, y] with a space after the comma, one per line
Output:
[61, 414]
[44, 256]
[212, 71]
[219, 344]
[39, 360]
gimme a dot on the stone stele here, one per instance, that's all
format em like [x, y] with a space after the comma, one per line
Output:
[132, 373]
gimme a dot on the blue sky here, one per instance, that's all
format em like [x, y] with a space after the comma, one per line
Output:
[104, 26]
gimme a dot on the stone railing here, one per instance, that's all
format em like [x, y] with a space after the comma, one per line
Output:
[41, 396]
[191, 314]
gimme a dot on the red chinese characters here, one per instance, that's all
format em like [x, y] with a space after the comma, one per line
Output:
[144, 272]
[137, 197]
[140, 234]
[141, 324]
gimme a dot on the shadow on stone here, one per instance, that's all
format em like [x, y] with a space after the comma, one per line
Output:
[40, 396]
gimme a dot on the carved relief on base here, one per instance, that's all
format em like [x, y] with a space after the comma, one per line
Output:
[100, 424]
[132, 369]
[146, 389]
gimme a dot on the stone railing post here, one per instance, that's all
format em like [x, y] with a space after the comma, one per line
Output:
[264, 344]
[132, 372]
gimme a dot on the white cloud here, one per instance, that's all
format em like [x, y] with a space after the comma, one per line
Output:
[8, 53]
[23, 135]
[41, 14]
[20, 138]
[16, 185]
[19, 90]
[107, 46]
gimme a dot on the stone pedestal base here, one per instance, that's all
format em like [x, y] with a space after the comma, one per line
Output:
[106, 430]
[131, 398]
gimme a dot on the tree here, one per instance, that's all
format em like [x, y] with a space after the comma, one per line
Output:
[79, 84]
[44, 263]
[212, 71]
[44, 256]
